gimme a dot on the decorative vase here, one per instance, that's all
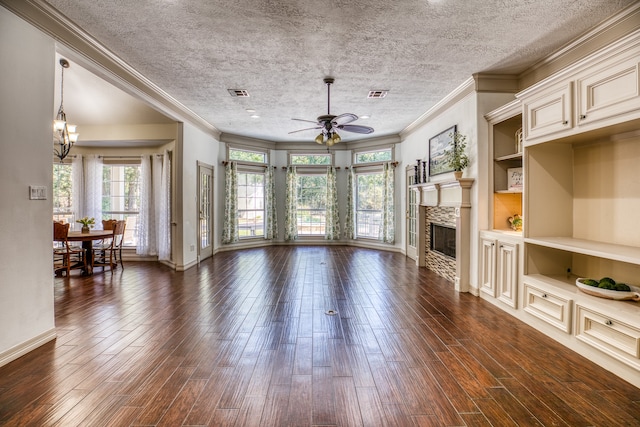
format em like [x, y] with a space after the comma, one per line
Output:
[85, 229]
[457, 174]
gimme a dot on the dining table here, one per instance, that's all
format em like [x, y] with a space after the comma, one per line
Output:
[87, 240]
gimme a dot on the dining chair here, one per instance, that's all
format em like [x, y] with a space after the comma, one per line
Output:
[108, 224]
[118, 241]
[106, 253]
[65, 256]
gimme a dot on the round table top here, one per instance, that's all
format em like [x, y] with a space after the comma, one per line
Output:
[78, 236]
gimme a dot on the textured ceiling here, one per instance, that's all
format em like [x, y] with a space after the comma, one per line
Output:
[280, 51]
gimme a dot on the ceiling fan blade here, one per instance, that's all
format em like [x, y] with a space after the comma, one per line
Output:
[343, 119]
[356, 128]
[301, 130]
[309, 121]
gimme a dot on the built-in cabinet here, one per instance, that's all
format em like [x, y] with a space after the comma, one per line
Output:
[499, 267]
[580, 197]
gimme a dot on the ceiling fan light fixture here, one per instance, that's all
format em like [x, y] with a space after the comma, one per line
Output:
[335, 138]
[319, 139]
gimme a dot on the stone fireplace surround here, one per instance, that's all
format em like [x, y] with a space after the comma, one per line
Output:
[446, 203]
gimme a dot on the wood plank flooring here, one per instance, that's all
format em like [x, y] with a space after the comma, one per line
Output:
[244, 340]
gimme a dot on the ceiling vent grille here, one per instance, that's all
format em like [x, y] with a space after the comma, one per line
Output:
[377, 93]
[238, 93]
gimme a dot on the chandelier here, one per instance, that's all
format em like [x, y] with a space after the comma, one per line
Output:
[64, 133]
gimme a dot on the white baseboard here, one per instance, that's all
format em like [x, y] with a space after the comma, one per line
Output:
[24, 348]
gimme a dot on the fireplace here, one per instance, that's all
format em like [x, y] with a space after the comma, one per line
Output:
[443, 240]
[445, 226]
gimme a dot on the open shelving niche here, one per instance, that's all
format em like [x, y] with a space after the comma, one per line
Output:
[581, 204]
[503, 124]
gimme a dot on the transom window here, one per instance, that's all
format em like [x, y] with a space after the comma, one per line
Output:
[383, 155]
[311, 159]
[241, 155]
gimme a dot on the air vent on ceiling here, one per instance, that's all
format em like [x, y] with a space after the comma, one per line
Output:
[239, 93]
[377, 93]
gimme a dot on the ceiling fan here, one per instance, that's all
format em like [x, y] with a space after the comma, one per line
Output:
[330, 124]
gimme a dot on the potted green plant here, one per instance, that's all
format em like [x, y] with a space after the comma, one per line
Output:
[86, 223]
[456, 157]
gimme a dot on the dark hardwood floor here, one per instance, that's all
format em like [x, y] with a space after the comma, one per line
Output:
[245, 340]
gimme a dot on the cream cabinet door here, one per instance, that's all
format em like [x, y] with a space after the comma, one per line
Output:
[488, 267]
[608, 93]
[548, 113]
[507, 273]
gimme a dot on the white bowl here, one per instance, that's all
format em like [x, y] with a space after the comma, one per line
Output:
[634, 294]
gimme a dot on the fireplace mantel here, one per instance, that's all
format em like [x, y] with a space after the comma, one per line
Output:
[448, 194]
[455, 193]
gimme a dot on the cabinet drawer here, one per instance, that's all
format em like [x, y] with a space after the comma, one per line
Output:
[608, 92]
[553, 309]
[614, 337]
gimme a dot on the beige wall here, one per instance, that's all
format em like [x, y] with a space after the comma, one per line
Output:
[27, 67]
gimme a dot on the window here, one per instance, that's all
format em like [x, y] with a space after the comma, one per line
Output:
[62, 193]
[310, 159]
[121, 197]
[312, 191]
[311, 206]
[247, 156]
[251, 204]
[369, 204]
[373, 156]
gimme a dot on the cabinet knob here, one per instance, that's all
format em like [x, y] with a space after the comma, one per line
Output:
[566, 122]
[582, 117]
[608, 323]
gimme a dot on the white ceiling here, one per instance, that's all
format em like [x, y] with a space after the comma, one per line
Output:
[280, 51]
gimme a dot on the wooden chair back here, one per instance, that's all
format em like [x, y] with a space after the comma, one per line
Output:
[108, 224]
[60, 231]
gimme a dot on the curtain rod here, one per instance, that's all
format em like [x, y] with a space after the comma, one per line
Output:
[225, 163]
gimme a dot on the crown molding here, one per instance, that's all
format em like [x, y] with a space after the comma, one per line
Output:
[607, 32]
[465, 89]
[72, 41]
[231, 138]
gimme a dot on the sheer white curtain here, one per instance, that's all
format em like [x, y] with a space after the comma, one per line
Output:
[146, 221]
[163, 208]
[77, 188]
[93, 188]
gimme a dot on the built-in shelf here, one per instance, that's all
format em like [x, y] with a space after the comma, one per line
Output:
[509, 191]
[514, 156]
[610, 251]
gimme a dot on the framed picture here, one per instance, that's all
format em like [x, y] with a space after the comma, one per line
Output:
[514, 179]
[437, 146]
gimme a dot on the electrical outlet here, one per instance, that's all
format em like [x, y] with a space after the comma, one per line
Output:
[192, 248]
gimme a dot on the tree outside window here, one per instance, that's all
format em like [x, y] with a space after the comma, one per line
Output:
[369, 204]
[62, 193]
[121, 197]
[251, 213]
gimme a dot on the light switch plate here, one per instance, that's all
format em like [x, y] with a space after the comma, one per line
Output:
[37, 192]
